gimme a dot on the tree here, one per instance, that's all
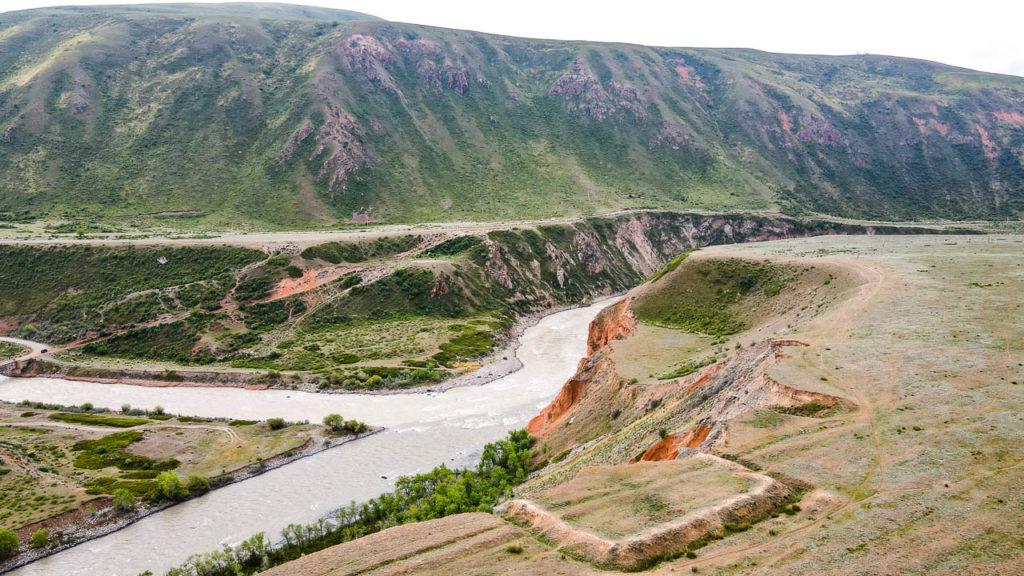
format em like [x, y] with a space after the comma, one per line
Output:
[169, 486]
[123, 500]
[40, 538]
[8, 544]
[335, 422]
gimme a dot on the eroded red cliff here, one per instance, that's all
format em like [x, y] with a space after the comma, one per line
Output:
[614, 322]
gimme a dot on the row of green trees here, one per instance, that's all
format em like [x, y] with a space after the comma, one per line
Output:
[440, 492]
[338, 425]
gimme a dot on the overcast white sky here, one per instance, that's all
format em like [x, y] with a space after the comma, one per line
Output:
[981, 34]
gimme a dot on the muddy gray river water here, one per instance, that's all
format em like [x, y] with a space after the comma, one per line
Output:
[424, 430]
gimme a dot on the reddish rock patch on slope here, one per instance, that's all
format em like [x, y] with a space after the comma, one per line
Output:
[613, 323]
[289, 286]
[555, 414]
[668, 447]
[1011, 117]
[665, 449]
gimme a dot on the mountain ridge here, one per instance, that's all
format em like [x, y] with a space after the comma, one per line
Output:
[293, 122]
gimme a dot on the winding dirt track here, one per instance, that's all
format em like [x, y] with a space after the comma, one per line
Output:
[36, 349]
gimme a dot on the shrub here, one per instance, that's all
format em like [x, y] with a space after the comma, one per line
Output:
[169, 486]
[110, 451]
[454, 246]
[252, 289]
[124, 501]
[173, 341]
[39, 538]
[514, 549]
[468, 344]
[350, 281]
[276, 423]
[97, 420]
[355, 427]
[270, 314]
[338, 252]
[736, 527]
[198, 485]
[109, 485]
[686, 369]
[8, 544]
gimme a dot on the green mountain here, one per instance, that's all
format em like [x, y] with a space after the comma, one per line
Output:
[274, 115]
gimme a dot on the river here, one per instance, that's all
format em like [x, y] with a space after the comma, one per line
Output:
[424, 430]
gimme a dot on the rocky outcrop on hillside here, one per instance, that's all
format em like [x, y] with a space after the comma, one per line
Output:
[581, 91]
[558, 264]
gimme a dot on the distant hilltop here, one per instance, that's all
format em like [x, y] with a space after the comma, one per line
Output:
[274, 115]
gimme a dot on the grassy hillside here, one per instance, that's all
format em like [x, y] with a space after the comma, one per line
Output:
[283, 116]
[392, 312]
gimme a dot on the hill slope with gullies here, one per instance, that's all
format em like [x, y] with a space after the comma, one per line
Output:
[279, 116]
[816, 412]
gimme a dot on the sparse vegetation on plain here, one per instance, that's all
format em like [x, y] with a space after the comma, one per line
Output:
[98, 420]
[83, 461]
[11, 350]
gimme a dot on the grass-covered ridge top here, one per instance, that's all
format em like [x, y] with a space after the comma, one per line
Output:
[329, 116]
[712, 297]
[337, 252]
